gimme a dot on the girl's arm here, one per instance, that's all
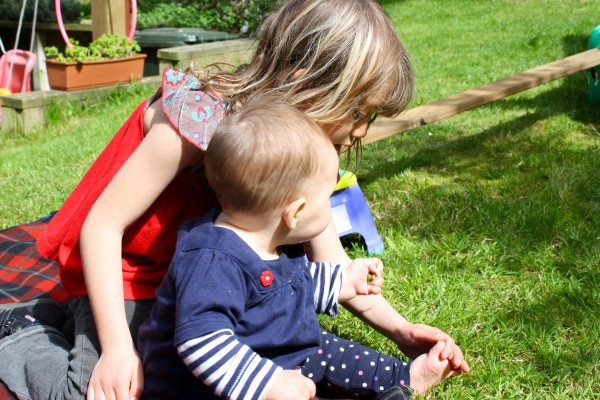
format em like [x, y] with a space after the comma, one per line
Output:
[412, 339]
[159, 158]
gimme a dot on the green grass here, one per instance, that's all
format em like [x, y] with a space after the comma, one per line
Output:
[491, 219]
[38, 171]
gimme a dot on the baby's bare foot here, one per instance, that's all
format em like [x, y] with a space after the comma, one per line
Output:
[427, 370]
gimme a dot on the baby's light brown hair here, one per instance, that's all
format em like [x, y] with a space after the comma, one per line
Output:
[264, 155]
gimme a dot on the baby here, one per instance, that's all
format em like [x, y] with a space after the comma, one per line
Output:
[236, 314]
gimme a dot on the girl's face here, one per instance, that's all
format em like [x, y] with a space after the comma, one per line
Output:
[342, 133]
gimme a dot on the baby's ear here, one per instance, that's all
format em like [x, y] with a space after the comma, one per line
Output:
[293, 211]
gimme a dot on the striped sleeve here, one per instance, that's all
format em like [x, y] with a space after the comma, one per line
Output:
[327, 283]
[231, 369]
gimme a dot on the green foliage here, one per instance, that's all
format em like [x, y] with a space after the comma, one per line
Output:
[38, 171]
[10, 10]
[107, 46]
[230, 16]
[237, 16]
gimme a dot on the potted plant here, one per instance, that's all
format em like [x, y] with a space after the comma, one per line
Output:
[109, 60]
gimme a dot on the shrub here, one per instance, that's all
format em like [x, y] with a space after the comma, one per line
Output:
[10, 10]
[236, 16]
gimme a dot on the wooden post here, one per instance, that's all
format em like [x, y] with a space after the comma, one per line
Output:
[110, 16]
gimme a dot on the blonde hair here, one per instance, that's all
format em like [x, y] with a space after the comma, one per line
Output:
[263, 155]
[349, 54]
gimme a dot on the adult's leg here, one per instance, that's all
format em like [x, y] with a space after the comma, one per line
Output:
[353, 370]
[45, 364]
[36, 355]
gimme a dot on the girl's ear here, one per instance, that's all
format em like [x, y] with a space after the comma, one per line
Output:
[291, 214]
[298, 74]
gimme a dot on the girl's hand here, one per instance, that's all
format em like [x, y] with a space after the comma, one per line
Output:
[154, 164]
[289, 384]
[118, 376]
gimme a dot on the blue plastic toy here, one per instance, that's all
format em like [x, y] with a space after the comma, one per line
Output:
[351, 213]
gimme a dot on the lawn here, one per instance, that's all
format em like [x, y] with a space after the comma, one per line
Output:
[491, 219]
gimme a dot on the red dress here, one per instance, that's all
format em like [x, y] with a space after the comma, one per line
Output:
[149, 243]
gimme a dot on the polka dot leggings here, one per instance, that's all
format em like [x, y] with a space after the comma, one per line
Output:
[351, 369]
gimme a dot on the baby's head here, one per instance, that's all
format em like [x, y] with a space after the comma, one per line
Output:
[268, 155]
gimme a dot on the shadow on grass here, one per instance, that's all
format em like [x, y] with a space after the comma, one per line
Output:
[531, 191]
[560, 328]
[533, 169]
[570, 98]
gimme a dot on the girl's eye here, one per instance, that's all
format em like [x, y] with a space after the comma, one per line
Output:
[359, 116]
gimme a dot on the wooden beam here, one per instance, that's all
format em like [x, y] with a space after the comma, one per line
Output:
[449, 106]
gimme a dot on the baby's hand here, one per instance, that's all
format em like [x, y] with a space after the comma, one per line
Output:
[366, 275]
[289, 384]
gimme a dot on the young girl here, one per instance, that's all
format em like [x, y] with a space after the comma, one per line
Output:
[256, 335]
[340, 61]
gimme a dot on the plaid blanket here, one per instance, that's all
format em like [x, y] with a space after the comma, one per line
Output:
[24, 273]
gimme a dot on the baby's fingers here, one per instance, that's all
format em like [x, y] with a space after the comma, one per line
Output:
[376, 282]
[376, 268]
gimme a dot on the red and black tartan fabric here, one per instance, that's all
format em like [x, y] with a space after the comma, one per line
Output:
[24, 273]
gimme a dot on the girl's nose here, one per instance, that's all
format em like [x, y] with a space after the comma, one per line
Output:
[359, 129]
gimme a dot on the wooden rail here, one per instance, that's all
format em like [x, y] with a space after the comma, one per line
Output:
[449, 106]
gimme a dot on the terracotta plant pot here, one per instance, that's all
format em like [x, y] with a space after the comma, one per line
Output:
[90, 74]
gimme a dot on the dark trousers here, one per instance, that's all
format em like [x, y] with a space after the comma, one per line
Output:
[343, 368]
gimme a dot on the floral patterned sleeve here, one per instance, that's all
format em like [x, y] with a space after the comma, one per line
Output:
[195, 114]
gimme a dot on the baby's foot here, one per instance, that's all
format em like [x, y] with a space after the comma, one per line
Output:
[427, 370]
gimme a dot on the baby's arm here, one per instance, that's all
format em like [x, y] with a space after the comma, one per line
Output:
[375, 310]
[327, 283]
[234, 371]
[334, 283]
